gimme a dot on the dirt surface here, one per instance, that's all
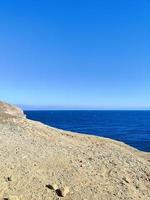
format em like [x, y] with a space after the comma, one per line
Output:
[38, 162]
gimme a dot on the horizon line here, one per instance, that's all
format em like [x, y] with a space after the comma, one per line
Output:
[100, 108]
[86, 110]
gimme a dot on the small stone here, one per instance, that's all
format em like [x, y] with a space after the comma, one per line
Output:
[8, 178]
[63, 191]
[125, 179]
[5, 196]
[54, 186]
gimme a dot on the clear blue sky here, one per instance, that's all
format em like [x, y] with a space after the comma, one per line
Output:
[75, 54]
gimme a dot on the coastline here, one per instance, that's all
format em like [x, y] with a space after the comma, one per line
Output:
[132, 128]
[35, 156]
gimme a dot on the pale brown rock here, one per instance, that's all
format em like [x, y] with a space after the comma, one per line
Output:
[11, 109]
[63, 191]
[55, 186]
[52, 186]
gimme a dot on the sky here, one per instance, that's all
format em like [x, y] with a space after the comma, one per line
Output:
[75, 54]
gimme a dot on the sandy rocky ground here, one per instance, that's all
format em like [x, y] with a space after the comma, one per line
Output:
[38, 162]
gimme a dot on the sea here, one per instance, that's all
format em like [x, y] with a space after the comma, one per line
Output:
[130, 127]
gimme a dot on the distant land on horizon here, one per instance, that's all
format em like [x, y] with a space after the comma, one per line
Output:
[82, 107]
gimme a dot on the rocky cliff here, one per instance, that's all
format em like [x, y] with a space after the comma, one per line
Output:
[38, 162]
[11, 109]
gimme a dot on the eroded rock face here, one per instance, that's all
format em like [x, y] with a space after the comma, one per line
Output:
[11, 109]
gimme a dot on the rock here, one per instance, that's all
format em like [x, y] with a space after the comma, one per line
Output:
[63, 191]
[5, 196]
[11, 109]
[54, 186]
[8, 179]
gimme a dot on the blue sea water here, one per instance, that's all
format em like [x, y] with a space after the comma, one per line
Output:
[131, 127]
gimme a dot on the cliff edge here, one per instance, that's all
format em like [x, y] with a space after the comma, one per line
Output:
[38, 162]
[11, 109]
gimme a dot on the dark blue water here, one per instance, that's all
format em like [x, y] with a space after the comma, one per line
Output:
[131, 127]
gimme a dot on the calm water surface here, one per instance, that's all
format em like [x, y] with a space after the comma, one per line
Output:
[131, 127]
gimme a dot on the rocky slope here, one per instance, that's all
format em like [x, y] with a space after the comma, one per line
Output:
[38, 162]
[11, 109]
